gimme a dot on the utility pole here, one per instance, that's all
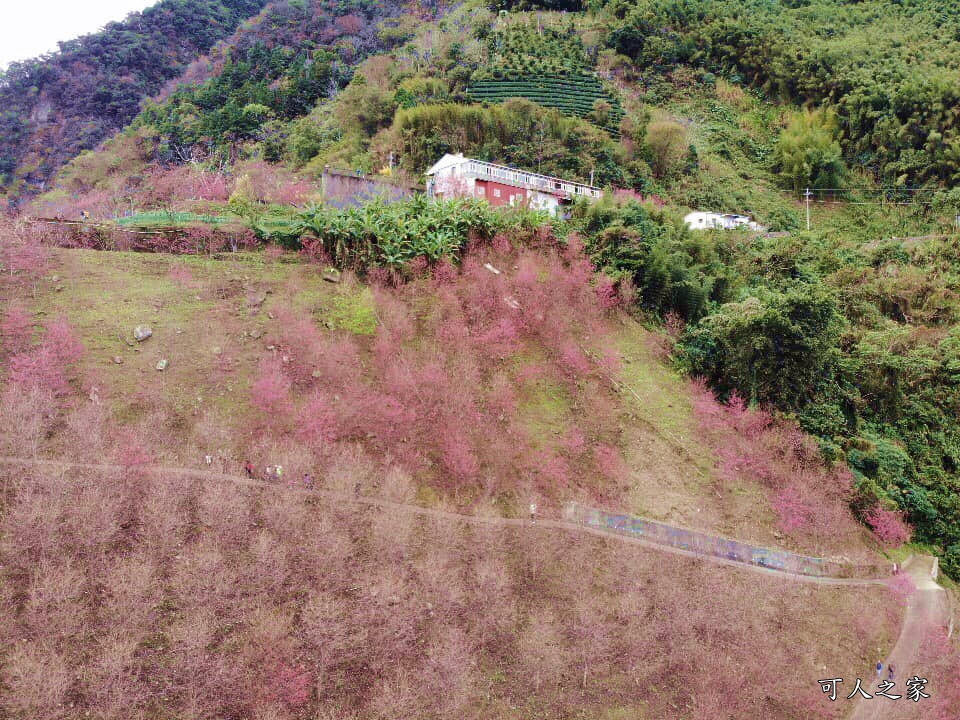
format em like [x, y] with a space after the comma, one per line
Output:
[808, 195]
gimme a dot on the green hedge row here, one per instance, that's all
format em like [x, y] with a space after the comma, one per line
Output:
[570, 96]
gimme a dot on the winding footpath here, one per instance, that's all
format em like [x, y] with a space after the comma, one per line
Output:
[927, 606]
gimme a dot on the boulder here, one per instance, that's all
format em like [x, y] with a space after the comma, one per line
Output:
[162, 364]
[142, 332]
[331, 275]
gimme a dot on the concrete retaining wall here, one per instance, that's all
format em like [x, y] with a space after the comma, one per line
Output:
[712, 545]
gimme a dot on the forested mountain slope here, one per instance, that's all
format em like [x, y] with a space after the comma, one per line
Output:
[890, 70]
[55, 106]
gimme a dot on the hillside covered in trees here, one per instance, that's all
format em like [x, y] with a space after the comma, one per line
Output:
[55, 106]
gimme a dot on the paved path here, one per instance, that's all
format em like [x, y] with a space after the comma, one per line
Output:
[928, 606]
[541, 523]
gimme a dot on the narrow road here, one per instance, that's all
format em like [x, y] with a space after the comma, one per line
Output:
[541, 523]
[928, 606]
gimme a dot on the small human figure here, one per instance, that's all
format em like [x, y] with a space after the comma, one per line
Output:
[208, 459]
[279, 473]
[879, 670]
[890, 672]
[248, 468]
[896, 569]
[84, 215]
[533, 512]
[307, 481]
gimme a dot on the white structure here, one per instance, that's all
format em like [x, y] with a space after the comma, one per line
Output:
[459, 176]
[724, 221]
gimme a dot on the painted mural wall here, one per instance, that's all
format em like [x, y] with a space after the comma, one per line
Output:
[734, 550]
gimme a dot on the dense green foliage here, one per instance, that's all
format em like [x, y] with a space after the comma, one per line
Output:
[673, 270]
[861, 343]
[53, 107]
[275, 71]
[808, 153]
[890, 70]
[516, 132]
[580, 95]
[255, 86]
[520, 46]
[392, 235]
[547, 65]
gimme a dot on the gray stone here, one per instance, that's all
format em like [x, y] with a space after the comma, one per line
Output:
[142, 332]
[162, 365]
[331, 275]
[256, 334]
[217, 350]
[118, 360]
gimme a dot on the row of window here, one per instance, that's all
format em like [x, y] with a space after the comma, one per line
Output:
[519, 178]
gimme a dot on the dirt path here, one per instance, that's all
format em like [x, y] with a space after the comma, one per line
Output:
[928, 606]
[540, 524]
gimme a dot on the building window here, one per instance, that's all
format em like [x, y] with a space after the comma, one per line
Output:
[496, 192]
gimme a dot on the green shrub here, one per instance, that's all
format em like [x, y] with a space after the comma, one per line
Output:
[391, 235]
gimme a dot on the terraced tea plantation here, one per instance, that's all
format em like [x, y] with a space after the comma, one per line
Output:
[576, 95]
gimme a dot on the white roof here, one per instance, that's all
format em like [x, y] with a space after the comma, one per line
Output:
[711, 214]
[446, 161]
[514, 176]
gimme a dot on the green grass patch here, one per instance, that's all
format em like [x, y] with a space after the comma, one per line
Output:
[353, 310]
[168, 217]
[545, 411]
